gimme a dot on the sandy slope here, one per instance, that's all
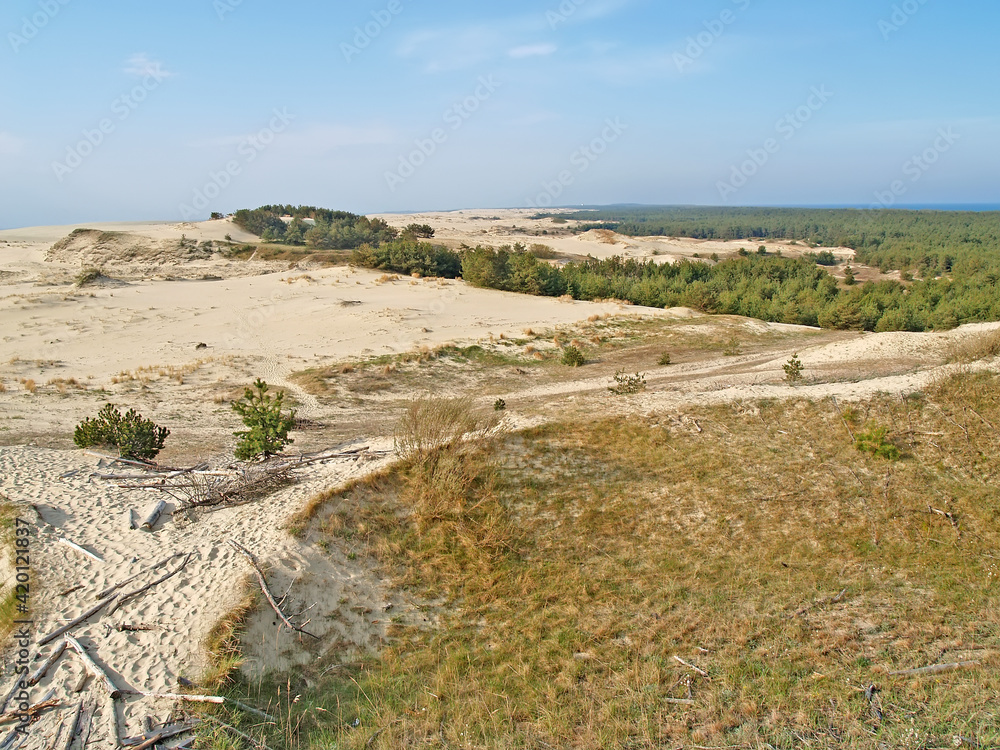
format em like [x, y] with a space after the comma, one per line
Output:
[272, 323]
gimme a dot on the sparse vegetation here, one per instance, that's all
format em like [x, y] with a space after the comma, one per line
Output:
[793, 369]
[761, 548]
[499, 405]
[134, 436]
[268, 425]
[875, 440]
[664, 359]
[626, 384]
[88, 276]
[573, 357]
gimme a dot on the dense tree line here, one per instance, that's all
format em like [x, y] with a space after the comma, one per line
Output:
[927, 243]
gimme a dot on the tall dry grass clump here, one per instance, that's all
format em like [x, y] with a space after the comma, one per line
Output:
[974, 348]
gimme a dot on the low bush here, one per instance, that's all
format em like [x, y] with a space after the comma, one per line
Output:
[626, 384]
[573, 357]
[134, 436]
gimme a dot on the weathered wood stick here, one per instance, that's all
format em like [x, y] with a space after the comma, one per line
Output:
[153, 515]
[45, 702]
[679, 701]
[116, 733]
[130, 519]
[73, 623]
[74, 726]
[171, 730]
[702, 672]
[95, 670]
[39, 673]
[132, 594]
[251, 709]
[164, 734]
[267, 592]
[118, 585]
[80, 549]
[178, 696]
[120, 460]
[936, 669]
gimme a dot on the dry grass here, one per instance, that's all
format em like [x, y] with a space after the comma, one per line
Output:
[8, 592]
[975, 348]
[753, 541]
[29, 385]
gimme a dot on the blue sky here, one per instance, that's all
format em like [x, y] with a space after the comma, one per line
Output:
[167, 110]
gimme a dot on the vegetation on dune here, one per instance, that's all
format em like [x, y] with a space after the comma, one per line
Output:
[742, 576]
[267, 426]
[134, 436]
[949, 262]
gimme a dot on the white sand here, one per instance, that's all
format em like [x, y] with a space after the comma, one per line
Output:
[278, 321]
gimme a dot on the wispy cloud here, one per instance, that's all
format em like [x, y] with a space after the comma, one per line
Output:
[532, 50]
[139, 65]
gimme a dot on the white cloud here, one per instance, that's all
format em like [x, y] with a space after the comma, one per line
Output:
[532, 50]
[316, 139]
[140, 66]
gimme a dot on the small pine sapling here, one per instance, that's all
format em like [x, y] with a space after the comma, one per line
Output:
[268, 427]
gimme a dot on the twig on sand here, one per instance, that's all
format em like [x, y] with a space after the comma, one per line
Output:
[73, 623]
[132, 594]
[39, 673]
[80, 549]
[113, 588]
[267, 592]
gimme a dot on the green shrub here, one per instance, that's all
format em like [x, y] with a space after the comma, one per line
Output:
[793, 369]
[88, 276]
[875, 441]
[269, 428]
[131, 434]
[664, 358]
[573, 357]
[626, 384]
[499, 405]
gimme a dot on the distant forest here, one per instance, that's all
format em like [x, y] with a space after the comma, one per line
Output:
[927, 243]
[950, 263]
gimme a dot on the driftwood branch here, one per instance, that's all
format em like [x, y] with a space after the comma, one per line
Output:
[115, 587]
[80, 549]
[32, 711]
[177, 696]
[142, 589]
[95, 670]
[251, 709]
[263, 587]
[73, 623]
[74, 726]
[165, 733]
[153, 515]
[39, 673]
